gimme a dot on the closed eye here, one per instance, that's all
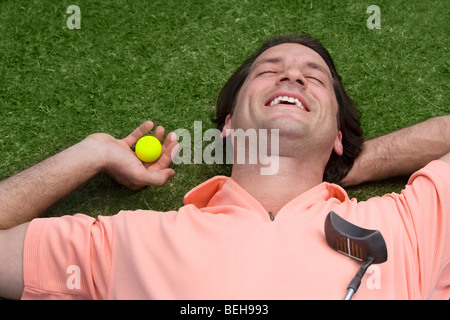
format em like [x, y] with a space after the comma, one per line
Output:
[315, 79]
[265, 72]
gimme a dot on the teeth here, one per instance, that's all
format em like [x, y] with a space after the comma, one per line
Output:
[287, 99]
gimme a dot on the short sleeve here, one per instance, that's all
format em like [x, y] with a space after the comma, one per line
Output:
[67, 258]
[427, 196]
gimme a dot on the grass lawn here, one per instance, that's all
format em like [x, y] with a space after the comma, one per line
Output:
[134, 60]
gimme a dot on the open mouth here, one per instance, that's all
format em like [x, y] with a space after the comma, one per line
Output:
[287, 99]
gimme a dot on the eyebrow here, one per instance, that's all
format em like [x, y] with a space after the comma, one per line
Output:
[316, 66]
[266, 60]
[311, 65]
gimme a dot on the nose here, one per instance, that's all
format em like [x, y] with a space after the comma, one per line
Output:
[293, 76]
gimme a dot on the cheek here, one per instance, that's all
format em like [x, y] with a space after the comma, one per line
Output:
[331, 96]
[334, 100]
[241, 97]
[336, 113]
[252, 90]
[244, 101]
[333, 106]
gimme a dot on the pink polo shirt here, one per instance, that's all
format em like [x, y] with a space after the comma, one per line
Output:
[222, 245]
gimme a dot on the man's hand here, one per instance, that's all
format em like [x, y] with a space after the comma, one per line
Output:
[121, 163]
[29, 193]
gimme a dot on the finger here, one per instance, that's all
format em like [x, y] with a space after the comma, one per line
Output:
[164, 161]
[138, 133]
[159, 133]
[170, 152]
[169, 139]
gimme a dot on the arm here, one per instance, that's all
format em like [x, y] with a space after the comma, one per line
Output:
[11, 261]
[401, 152]
[27, 194]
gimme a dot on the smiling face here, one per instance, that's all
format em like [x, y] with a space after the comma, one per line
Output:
[290, 88]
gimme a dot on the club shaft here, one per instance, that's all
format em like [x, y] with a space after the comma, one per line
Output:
[349, 294]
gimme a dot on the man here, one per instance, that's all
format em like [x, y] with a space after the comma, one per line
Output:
[245, 237]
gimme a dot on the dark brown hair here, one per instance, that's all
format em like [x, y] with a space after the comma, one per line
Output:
[348, 117]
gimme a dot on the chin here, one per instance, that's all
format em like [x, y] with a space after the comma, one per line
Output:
[289, 128]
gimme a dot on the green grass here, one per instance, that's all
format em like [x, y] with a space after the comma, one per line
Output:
[134, 60]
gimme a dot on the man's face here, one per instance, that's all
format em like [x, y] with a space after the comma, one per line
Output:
[289, 88]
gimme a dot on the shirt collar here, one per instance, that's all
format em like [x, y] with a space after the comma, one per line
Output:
[221, 190]
[204, 192]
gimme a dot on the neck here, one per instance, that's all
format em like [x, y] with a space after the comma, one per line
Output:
[273, 191]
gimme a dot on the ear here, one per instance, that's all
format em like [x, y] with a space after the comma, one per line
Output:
[338, 147]
[226, 126]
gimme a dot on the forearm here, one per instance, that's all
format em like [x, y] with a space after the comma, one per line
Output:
[29, 193]
[401, 152]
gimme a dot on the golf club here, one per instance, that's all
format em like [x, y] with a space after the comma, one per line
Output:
[367, 246]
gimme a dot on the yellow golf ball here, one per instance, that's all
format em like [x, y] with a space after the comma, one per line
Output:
[148, 149]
